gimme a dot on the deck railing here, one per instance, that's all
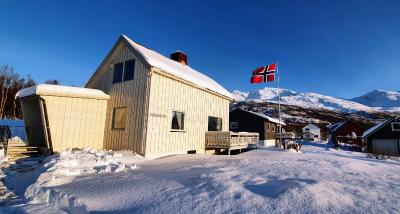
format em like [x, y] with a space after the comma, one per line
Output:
[216, 139]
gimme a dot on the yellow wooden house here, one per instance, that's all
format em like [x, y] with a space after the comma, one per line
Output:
[158, 105]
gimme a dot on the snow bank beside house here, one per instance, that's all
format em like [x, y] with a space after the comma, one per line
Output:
[5, 194]
[66, 166]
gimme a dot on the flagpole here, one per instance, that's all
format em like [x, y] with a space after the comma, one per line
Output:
[279, 105]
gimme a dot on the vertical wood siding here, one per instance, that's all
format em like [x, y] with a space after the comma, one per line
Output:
[166, 95]
[75, 122]
[131, 94]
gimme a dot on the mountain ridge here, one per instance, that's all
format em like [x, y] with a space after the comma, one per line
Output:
[376, 100]
[379, 98]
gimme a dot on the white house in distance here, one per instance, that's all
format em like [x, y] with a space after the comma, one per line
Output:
[311, 132]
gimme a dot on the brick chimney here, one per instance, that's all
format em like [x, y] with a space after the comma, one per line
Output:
[180, 57]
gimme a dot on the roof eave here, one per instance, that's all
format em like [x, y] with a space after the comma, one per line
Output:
[167, 74]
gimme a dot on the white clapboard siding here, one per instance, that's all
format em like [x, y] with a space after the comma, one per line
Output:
[131, 94]
[150, 99]
[75, 122]
[168, 94]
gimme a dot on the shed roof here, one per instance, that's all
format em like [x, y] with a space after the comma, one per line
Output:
[271, 119]
[65, 91]
[177, 69]
[336, 126]
[312, 126]
[371, 130]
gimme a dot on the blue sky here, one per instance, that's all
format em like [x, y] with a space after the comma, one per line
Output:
[339, 48]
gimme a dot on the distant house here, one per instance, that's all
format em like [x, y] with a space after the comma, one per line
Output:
[247, 121]
[311, 132]
[345, 133]
[384, 138]
[157, 105]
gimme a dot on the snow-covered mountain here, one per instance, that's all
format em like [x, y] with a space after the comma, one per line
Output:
[306, 100]
[380, 98]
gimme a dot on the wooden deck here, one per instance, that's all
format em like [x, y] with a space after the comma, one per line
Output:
[230, 140]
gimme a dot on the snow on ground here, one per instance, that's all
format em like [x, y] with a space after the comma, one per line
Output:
[317, 180]
[29, 182]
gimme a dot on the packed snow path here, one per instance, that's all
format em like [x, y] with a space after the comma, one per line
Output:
[317, 180]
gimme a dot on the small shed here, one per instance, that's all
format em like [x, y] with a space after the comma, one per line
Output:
[384, 138]
[247, 121]
[311, 132]
[345, 133]
[59, 117]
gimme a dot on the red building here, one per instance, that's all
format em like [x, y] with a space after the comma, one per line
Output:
[347, 133]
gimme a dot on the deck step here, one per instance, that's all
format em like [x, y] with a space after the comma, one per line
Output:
[22, 148]
[16, 151]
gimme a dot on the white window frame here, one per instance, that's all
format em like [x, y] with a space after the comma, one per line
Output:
[184, 123]
[218, 118]
[393, 129]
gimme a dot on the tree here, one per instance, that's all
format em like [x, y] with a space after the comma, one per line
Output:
[10, 84]
[52, 82]
[7, 79]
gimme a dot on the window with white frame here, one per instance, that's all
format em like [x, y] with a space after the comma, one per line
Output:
[124, 71]
[395, 126]
[214, 123]
[118, 70]
[178, 121]
[129, 70]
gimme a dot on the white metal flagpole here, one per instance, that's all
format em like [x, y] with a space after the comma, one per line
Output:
[279, 105]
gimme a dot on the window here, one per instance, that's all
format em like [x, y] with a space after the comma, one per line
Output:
[118, 68]
[273, 128]
[119, 117]
[178, 119]
[395, 126]
[268, 127]
[129, 70]
[234, 125]
[214, 124]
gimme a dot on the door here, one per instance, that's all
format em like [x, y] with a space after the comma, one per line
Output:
[385, 147]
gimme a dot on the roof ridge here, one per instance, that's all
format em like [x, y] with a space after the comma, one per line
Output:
[170, 66]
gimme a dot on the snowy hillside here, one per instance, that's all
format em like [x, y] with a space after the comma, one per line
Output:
[305, 100]
[379, 98]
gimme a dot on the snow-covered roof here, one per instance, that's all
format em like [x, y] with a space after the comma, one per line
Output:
[371, 130]
[311, 126]
[177, 69]
[336, 126]
[59, 90]
[274, 120]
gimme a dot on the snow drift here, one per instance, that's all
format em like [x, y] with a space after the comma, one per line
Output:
[65, 167]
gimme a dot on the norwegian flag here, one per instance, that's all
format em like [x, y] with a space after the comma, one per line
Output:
[264, 74]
